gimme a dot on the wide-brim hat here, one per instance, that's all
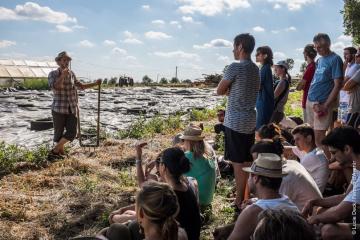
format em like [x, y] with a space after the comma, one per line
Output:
[61, 55]
[268, 165]
[283, 64]
[192, 133]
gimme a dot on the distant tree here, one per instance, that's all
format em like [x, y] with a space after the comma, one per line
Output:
[163, 81]
[174, 80]
[112, 81]
[303, 67]
[290, 63]
[212, 78]
[146, 80]
[105, 81]
[351, 17]
[188, 81]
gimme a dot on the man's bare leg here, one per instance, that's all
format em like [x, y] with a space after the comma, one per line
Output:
[241, 178]
[59, 147]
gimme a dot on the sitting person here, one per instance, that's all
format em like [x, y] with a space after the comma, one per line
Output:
[306, 187]
[311, 157]
[156, 209]
[264, 181]
[282, 225]
[272, 131]
[172, 165]
[344, 146]
[202, 163]
[219, 127]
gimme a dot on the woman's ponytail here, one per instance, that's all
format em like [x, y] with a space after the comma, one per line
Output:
[170, 229]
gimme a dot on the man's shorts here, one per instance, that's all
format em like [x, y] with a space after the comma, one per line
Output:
[318, 123]
[238, 145]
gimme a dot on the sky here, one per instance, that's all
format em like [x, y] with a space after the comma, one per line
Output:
[138, 37]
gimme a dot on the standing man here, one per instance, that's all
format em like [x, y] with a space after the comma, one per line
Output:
[65, 103]
[324, 88]
[241, 83]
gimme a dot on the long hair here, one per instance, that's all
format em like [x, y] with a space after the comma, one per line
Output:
[200, 148]
[266, 50]
[160, 205]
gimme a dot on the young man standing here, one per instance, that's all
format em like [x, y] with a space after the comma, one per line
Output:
[324, 88]
[241, 83]
[311, 157]
[65, 103]
[344, 145]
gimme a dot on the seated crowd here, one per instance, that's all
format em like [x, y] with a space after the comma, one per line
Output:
[298, 184]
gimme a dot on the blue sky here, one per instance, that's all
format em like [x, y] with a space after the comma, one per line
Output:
[112, 38]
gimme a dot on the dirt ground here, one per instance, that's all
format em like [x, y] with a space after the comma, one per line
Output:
[73, 197]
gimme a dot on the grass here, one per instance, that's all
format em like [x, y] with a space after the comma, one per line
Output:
[35, 84]
[293, 105]
[11, 155]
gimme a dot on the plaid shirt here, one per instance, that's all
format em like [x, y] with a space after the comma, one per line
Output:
[65, 98]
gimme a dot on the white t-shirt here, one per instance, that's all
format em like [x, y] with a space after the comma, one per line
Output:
[354, 195]
[316, 163]
[298, 185]
[277, 203]
[349, 72]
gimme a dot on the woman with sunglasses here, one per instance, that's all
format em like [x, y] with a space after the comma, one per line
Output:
[265, 98]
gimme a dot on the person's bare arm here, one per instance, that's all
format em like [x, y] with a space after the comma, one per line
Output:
[279, 89]
[139, 170]
[333, 95]
[350, 85]
[246, 223]
[223, 87]
[333, 215]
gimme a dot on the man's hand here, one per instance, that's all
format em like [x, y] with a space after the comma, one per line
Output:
[313, 220]
[308, 208]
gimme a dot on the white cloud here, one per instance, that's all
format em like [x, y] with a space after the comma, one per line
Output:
[187, 19]
[78, 27]
[176, 23]
[275, 31]
[292, 5]
[225, 59]
[177, 54]
[33, 11]
[216, 43]
[290, 29]
[146, 7]
[130, 58]
[279, 55]
[132, 41]
[109, 43]
[211, 7]
[345, 38]
[119, 51]
[6, 43]
[338, 46]
[86, 43]
[130, 38]
[63, 28]
[299, 49]
[157, 35]
[158, 22]
[277, 6]
[258, 29]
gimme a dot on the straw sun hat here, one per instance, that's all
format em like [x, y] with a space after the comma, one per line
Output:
[192, 133]
[268, 165]
[62, 55]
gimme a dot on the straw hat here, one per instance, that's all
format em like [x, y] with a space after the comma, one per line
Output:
[268, 165]
[62, 55]
[192, 133]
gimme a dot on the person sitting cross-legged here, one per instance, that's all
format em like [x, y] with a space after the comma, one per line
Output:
[344, 146]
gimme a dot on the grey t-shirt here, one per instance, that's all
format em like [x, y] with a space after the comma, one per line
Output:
[354, 98]
[245, 81]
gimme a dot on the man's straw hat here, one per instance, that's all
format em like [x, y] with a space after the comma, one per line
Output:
[192, 133]
[62, 55]
[268, 165]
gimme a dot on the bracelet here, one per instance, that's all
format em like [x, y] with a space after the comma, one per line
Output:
[137, 161]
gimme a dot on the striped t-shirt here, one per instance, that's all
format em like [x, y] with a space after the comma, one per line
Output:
[245, 82]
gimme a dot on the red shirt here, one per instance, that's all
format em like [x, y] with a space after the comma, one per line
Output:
[308, 76]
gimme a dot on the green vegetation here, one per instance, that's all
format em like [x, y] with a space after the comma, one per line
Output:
[35, 84]
[293, 105]
[351, 15]
[11, 155]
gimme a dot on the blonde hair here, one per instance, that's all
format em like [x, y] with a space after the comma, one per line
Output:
[160, 205]
[199, 149]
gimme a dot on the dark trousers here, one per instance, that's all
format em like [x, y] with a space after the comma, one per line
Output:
[63, 122]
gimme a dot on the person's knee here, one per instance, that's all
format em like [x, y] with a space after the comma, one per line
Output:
[328, 231]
